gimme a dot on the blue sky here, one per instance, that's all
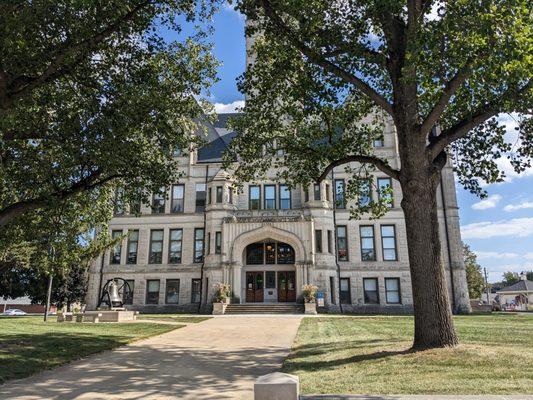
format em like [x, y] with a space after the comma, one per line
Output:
[499, 229]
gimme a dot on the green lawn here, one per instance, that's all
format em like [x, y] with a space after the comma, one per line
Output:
[29, 345]
[174, 317]
[369, 355]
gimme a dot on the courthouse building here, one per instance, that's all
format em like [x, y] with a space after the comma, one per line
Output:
[269, 240]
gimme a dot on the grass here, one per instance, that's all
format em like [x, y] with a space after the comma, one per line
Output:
[370, 355]
[29, 345]
[194, 319]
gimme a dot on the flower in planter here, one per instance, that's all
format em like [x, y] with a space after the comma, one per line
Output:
[222, 292]
[309, 292]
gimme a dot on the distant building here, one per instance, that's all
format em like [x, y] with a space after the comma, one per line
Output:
[518, 296]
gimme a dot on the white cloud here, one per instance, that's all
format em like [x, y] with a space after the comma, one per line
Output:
[489, 202]
[222, 108]
[518, 227]
[231, 8]
[519, 206]
[487, 255]
[528, 256]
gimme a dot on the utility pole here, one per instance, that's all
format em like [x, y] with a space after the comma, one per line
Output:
[50, 280]
[487, 286]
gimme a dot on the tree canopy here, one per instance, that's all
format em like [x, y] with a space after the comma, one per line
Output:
[474, 277]
[91, 94]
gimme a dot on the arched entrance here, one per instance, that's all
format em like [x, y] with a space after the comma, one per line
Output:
[269, 272]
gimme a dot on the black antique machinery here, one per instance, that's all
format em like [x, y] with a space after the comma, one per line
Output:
[113, 293]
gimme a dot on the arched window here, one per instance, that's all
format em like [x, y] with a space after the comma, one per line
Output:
[269, 253]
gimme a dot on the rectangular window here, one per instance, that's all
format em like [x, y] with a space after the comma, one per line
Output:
[370, 287]
[284, 197]
[172, 291]
[379, 142]
[127, 292]
[200, 197]
[330, 241]
[116, 251]
[209, 196]
[270, 253]
[270, 197]
[174, 246]
[340, 201]
[384, 190]
[254, 198]
[306, 194]
[158, 202]
[365, 193]
[345, 292]
[388, 242]
[316, 191]
[255, 254]
[133, 246]
[230, 194]
[177, 202]
[332, 289]
[156, 246]
[208, 243]
[198, 245]
[219, 194]
[218, 242]
[328, 197]
[342, 243]
[195, 290]
[152, 291]
[392, 291]
[368, 252]
[135, 207]
[318, 241]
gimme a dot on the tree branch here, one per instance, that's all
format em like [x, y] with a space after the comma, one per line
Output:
[461, 128]
[377, 162]
[450, 89]
[23, 84]
[321, 61]
[15, 210]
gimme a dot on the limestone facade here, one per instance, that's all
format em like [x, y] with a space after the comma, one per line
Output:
[227, 226]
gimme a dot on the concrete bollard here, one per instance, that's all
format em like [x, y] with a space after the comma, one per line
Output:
[277, 386]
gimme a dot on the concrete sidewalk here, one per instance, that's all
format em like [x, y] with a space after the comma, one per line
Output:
[216, 359]
[418, 397]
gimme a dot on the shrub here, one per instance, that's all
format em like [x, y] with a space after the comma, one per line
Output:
[309, 292]
[222, 292]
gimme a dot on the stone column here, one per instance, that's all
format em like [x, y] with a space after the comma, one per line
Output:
[237, 284]
[301, 279]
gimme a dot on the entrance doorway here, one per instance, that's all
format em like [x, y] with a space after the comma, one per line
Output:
[286, 286]
[254, 287]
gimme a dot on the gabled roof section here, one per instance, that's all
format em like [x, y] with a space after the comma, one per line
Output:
[218, 139]
[520, 286]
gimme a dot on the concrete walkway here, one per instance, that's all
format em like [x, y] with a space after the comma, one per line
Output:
[216, 359]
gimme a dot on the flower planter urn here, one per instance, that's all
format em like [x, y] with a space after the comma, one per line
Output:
[219, 308]
[310, 308]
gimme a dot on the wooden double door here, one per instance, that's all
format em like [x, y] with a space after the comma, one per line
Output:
[255, 286]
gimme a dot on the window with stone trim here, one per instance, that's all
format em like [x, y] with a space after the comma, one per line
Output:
[127, 292]
[388, 243]
[172, 291]
[254, 200]
[198, 245]
[368, 248]
[133, 246]
[284, 197]
[385, 191]
[177, 201]
[342, 243]
[371, 290]
[152, 291]
[201, 194]
[116, 251]
[392, 291]
[316, 191]
[318, 240]
[158, 201]
[220, 192]
[156, 246]
[270, 197]
[218, 242]
[196, 286]
[174, 246]
[340, 194]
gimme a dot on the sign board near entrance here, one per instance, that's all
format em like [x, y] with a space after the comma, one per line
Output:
[320, 299]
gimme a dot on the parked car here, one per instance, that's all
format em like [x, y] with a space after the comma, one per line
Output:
[14, 311]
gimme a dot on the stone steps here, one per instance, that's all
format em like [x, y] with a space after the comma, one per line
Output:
[264, 309]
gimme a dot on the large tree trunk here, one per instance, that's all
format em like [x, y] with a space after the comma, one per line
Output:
[432, 310]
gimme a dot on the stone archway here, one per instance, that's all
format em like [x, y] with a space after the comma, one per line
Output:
[264, 233]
